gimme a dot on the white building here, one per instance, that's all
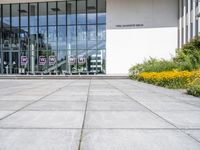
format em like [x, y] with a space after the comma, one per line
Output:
[133, 30]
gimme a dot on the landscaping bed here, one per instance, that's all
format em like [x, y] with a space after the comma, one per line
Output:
[181, 72]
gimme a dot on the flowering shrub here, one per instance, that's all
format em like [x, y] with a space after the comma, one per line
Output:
[169, 79]
[194, 87]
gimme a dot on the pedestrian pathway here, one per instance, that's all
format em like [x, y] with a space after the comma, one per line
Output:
[96, 115]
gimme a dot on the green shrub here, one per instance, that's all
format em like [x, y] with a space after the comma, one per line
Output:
[188, 57]
[194, 87]
[154, 65]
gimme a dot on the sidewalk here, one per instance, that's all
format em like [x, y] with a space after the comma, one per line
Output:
[96, 115]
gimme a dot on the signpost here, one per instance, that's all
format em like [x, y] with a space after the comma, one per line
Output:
[42, 60]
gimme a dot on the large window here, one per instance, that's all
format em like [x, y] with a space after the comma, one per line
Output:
[53, 37]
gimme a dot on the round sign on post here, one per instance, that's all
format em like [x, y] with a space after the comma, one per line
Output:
[52, 60]
[81, 60]
[72, 60]
[42, 60]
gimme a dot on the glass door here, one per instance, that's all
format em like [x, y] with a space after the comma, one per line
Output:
[10, 62]
[6, 63]
[15, 62]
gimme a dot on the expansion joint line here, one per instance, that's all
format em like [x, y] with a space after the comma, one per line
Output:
[153, 112]
[40, 99]
[85, 113]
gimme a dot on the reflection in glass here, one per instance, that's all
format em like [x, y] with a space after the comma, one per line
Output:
[24, 38]
[52, 38]
[15, 62]
[92, 61]
[82, 65]
[81, 12]
[62, 38]
[61, 62]
[33, 14]
[42, 38]
[71, 37]
[53, 30]
[101, 61]
[72, 66]
[24, 14]
[42, 14]
[81, 37]
[92, 40]
[6, 16]
[71, 12]
[25, 67]
[6, 38]
[15, 38]
[102, 11]
[91, 9]
[52, 13]
[101, 37]
[15, 15]
[0, 20]
[61, 13]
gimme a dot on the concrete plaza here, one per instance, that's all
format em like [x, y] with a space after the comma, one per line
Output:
[96, 115]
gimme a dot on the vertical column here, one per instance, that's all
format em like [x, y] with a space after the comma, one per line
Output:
[184, 21]
[10, 65]
[198, 11]
[180, 22]
[87, 56]
[32, 54]
[56, 38]
[189, 20]
[194, 17]
[1, 38]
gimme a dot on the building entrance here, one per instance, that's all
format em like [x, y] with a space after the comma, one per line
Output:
[57, 37]
[10, 62]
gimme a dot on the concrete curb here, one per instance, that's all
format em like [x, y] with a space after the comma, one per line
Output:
[61, 77]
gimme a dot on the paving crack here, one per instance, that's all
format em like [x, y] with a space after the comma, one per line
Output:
[85, 113]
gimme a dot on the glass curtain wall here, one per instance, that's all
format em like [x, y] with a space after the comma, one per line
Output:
[61, 37]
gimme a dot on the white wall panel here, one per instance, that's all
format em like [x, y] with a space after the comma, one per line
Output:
[130, 45]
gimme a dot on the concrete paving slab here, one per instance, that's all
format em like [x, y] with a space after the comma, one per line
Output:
[137, 140]
[182, 119]
[114, 106]
[12, 105]
[170, 106]
[113, 121]
[109, 98]
[20, 98]
[57, 106]
[153, 98]
[124, 119]
[41, 119]
[193, 102]
[104, 93]
[4, 113]
[33, 139]
[66, 98]
[194, 133]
